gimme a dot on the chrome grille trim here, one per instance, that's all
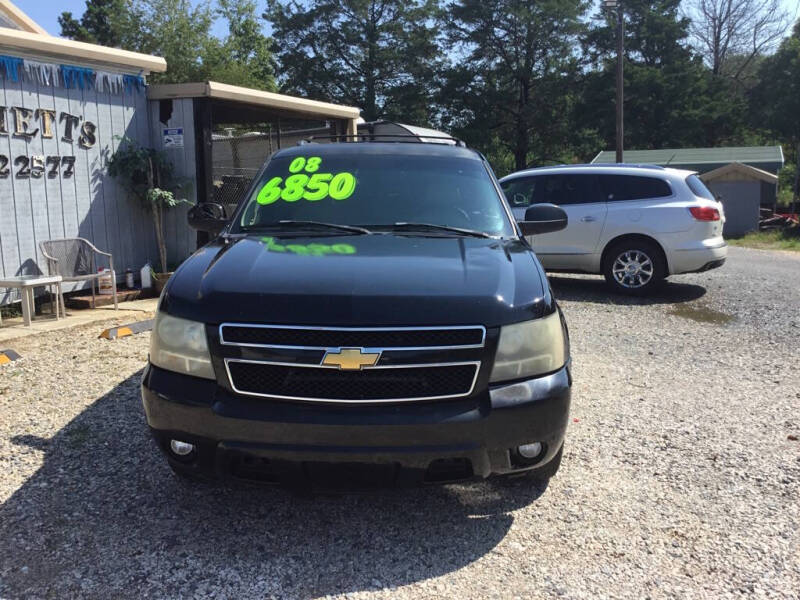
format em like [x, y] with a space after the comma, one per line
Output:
[480, 328]
[475, 364]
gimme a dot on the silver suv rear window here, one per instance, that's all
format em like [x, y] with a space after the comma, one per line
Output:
[699, 188]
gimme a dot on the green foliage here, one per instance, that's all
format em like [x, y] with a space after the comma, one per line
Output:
[671, 99]
[148, 175]
[181, 33]
[786, 182]
[515, 81]
[140, 169]
[780, 239]
[378, 55]
[775, 103]
[244, 57]
[178, 32]
[527, 83]
[106, 22]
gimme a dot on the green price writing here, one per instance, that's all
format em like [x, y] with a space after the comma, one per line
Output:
[313, 187]
[308, 249]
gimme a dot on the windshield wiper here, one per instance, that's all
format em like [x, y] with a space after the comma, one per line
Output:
[434, 227]
[289, 223]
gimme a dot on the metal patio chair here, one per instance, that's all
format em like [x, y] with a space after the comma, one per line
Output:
[75, 259]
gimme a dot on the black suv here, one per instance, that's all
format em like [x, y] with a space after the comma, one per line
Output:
[371, 311]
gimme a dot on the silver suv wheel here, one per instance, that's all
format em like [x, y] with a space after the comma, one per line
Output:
[632, 269]
[634, 266]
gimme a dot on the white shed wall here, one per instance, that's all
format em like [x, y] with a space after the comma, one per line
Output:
[741, 201]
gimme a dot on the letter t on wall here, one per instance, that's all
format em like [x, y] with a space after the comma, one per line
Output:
[71, 123]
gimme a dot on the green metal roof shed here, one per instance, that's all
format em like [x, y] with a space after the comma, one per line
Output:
[702, 160]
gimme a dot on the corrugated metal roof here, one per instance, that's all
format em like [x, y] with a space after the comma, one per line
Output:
[698, 156]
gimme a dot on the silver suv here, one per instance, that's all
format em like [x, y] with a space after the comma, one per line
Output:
[634, 224]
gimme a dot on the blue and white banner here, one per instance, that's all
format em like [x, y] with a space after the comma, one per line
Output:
[13, 68]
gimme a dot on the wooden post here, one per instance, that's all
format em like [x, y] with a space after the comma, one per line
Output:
[620, 60]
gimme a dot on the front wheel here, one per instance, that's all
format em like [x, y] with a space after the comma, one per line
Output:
[634, 267]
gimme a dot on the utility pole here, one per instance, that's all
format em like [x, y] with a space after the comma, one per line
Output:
[610, 5]
[620, 59]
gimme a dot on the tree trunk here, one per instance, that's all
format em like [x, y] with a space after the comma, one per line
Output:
[158, 216]
[162, 247]
[522, 142]
[520, 153]
[370, 79]
[795, 191]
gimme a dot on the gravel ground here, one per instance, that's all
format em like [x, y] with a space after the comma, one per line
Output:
[680, 476]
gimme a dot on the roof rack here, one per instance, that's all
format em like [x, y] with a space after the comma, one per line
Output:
[626, 165]
[582, 165]
[397, 138]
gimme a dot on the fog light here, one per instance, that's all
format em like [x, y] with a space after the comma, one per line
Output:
[181, 448]
[530, 450]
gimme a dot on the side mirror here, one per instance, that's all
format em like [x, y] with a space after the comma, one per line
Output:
[543, 218]
[207, 216]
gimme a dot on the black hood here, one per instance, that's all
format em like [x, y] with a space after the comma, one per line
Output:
[369, 280]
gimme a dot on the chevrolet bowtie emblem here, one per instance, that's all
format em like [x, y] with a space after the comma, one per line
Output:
[350, 359]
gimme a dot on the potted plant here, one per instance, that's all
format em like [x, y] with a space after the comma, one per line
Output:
[148, 175]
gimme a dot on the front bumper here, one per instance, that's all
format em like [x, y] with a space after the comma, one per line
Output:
[273, 441]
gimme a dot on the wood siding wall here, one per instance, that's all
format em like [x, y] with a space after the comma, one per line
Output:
[90, 203]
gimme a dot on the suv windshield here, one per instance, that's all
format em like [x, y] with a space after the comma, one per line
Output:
[376, 191]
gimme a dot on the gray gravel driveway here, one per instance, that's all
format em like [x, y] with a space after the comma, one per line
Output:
[680, 477]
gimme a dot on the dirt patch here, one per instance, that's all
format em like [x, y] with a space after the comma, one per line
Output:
[701, 314]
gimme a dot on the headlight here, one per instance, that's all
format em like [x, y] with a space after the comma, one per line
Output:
[528, 349]
[180, 345]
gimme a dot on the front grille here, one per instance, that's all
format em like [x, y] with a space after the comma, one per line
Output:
[418, 382]
[448, 337]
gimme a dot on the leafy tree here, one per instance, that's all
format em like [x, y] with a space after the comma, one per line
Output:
[379, 55]
[148, 175]
[105, 22]
[178, 32]
[775, 102]
[244, 57]
[182, 35]
[513, 84]
[671, 99]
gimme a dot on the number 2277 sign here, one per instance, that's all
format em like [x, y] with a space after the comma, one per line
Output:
[306, 183]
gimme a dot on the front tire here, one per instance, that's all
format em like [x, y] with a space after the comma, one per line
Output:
[634, 267]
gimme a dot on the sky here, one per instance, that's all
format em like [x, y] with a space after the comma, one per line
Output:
[46, 12]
